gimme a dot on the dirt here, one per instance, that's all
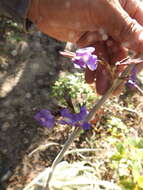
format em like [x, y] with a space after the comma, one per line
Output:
[29, 66]
[28, 69]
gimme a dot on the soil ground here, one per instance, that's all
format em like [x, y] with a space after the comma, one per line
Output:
[28, 69]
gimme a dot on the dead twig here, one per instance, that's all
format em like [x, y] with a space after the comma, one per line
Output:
[42, 148]
[82, 150]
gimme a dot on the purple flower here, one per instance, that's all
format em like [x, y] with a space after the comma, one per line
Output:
[134, 72]
[133, 78]
[75, 119]
[83, 58]
[82, 114]
[133, 81]
[86, 126]
[68, 117]
[45, 118]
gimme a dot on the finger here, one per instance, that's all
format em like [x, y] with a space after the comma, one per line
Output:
[115, 51]
[89, 75]
[134, 8]
[108, 49]
[89, 38]
[119, 24]
[103, 79]
[130, 34]
[100, 47]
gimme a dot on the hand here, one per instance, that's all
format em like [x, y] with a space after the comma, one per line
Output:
[110, 25]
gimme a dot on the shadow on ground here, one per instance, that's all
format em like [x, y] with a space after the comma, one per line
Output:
[28, 69]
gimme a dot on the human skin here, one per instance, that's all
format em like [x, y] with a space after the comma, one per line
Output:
[109, 25]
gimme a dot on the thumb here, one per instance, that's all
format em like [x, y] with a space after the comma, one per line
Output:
[121, 26]
[129, 34]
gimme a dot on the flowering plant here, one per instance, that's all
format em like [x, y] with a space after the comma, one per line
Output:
[82, 58]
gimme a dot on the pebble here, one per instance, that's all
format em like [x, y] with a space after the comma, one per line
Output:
[25, 141]
[14, 53]
[6, 176]
[11, 116]
[4, 151]
[5, 126]
[28, 95]
[40, 82]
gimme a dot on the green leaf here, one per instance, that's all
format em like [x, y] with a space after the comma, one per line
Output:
[140, 181]
[127, 184]
[120, 148]
[140, 143]
[116, 157]
[136, 171]
[132, 142]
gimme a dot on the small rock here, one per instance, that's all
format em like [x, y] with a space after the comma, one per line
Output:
[28, 95]
[11, 116]
[25, 141]
[14, 53]
[40, 81]
[4, 151]
[6, 176]
[5, 126]
[2, 114]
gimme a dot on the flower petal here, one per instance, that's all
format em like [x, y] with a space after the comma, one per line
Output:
[83, 57]
[79, 61]
[68, 117]
[45, 118]
[66, 122]
[86, 126]
[66, 113]
[134, 72]
[75, 119]
[82, 114]
[82, 51]
[92, 62]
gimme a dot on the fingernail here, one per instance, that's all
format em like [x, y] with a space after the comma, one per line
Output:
[141, 36]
